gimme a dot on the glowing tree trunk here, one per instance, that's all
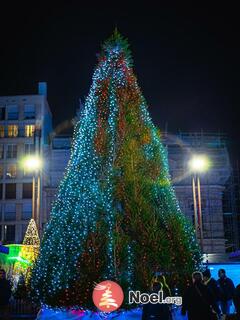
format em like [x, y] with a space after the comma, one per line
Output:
[116, 215]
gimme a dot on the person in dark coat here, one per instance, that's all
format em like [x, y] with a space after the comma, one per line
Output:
[5, 293]
[156, 311]
[236, 300]
[227, 291]
[198, 301]
[213, 287]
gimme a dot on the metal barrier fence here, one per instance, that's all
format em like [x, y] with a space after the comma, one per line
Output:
[19, 308]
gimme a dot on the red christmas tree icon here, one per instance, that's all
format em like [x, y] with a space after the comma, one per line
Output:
[108, 296]
[107, 300]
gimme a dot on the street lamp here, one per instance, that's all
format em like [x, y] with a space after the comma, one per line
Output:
[198, 164]
[34, 164]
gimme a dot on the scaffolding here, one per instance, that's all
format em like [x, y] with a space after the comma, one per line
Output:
[221, 176]
[231, 210]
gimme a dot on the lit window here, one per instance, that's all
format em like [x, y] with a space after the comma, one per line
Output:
[29, 130]
[12, 112]
[12, 151]
[11, 172]
[13, 130]
[1, 131]
[29, 111]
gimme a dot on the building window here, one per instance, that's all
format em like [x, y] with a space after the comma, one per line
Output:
[10, 212]
[9, 233]
[2, 113]
[29, 130]
[24, 229]
[1, 190]
[12, 112]
[1, 131]
[10, 191]
[29, 148]
[26, 211]
[12, 130]
[11, 172]
[12, 151]
[1, 151]
[27, 191]
[61, 143]
[1, 171]
[29, 111]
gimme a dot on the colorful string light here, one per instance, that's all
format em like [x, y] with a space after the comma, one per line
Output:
[116, 215]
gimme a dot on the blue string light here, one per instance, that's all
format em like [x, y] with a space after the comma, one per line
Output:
[87, 188]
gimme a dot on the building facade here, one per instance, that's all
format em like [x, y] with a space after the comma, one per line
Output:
[180, 149]
[25, 125]
[231, 209]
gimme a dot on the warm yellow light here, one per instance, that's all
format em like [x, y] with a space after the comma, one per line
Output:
[199, 163]
[32, 163]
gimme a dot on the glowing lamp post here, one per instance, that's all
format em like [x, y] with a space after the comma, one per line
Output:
[34, 164]
[198, 164]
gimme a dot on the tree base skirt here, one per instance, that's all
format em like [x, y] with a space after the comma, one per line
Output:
[134, 314]
[53, 314]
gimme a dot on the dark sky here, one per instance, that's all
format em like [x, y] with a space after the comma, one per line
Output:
[186, 58]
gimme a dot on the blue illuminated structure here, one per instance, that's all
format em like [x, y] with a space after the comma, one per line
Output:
[4, 249]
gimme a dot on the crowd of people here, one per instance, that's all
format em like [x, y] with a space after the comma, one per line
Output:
[205, 299]
[209, 299]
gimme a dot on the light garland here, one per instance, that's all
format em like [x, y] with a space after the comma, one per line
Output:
[115, 206]
[31, 236]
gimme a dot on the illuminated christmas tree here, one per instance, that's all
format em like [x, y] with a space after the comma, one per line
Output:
[30, 248]
[31, 235]
[116, 215]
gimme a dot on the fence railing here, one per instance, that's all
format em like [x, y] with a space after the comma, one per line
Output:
[22, 309]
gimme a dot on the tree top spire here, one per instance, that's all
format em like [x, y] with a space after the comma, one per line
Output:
[117, 43]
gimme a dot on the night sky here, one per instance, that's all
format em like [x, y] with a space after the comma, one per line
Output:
[186, 58]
